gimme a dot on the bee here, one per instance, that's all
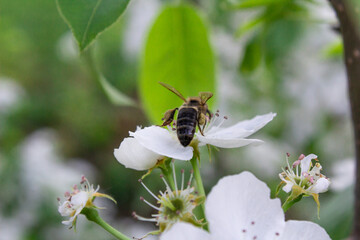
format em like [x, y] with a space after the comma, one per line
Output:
[194, 112]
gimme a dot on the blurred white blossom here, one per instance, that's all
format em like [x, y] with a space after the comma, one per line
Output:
[10, 93]
[140, 15]
[343, 174]
[66, 47]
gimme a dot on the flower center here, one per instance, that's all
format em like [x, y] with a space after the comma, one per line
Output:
[176, 209]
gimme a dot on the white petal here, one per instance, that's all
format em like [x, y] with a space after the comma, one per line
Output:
[64, 209]
[287, 188]
[80, 199]
[303, 230]
[160, 141]
[133, 155]
[225, 142]
[305, 163]
[244, 128]
[185, 231]
[321, 185]
[240, 205]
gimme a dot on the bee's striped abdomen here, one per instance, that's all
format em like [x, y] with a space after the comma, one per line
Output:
[186, 124]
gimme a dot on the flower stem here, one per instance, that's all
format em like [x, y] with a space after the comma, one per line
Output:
[200, 187]
[93, 215]
[168, 176]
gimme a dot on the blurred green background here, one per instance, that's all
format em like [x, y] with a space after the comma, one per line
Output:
[57, 123]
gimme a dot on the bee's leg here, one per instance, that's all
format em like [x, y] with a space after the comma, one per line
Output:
[201, 122]
[201, 130]
[209, 114]
[168, 117]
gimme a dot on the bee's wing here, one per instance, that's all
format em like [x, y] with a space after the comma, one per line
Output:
[205, 96]
[171, 88]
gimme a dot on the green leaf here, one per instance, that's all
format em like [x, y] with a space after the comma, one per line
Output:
[334, 49]
[88, 18]
[252, 56]
[115, 96]
[177, 52]
[241, 4]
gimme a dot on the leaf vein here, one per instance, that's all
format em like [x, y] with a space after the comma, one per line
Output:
[90, 21]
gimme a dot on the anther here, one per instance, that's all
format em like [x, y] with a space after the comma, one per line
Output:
[83, 179]
[140, 180]
[178, 212]
[173, 129]
[216, 114]
[301, 157]
[277, 234]
[67, 194]
[252, 223]
[58, 199]
[142, 199]
[225, 117]
[288, 154]
[255, 237]
[244, 230]
[161, 176]
[217, 110]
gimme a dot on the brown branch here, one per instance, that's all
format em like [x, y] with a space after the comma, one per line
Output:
[351, 39]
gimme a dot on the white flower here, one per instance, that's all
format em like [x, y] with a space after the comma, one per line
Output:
[239, 207]
[307, 179]
[173, 205]
[77, 200]
[235, 135]
[145, 147]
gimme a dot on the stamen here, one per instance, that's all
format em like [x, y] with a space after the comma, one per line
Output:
[174, 176]
[143, 218]
[167, 186]
[147, 189]
[182, 179]
[154, 207]
[190, 178]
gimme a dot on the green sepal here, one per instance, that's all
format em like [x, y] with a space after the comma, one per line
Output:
[278, 188]
[291, 200]
[160, 164]
[316, 199]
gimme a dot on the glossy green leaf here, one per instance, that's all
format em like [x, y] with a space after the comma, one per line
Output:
[115, 96]
[177, 52]
[252, 56]
[88, 18]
